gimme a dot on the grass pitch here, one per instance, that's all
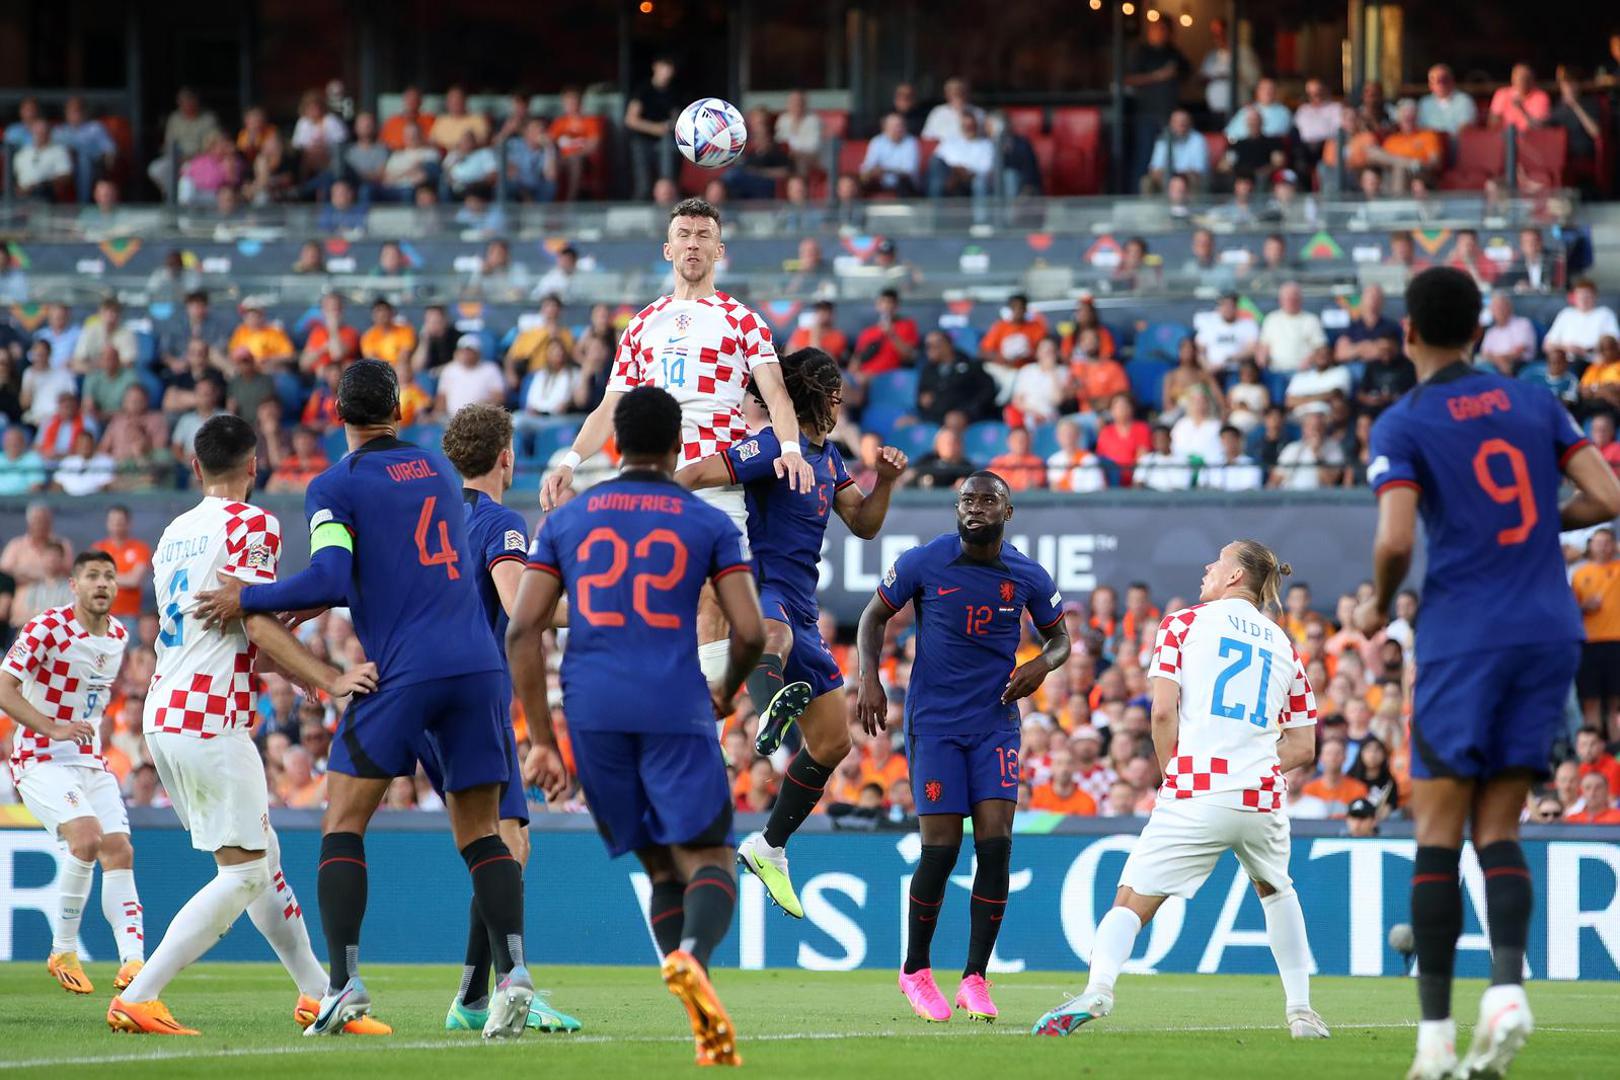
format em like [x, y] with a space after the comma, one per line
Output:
[790, 1023]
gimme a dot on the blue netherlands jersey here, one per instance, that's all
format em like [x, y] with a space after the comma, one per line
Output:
[969, 623]
[1486, 454]
[786, 527]
[414, 593]
[634, 553]
[496, 534]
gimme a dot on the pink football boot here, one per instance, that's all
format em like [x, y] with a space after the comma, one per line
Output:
[923, 993]
[973, 998]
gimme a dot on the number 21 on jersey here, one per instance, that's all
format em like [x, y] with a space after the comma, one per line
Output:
[1242, 654]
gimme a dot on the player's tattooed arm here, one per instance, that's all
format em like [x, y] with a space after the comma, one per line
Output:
[1597, 491]
[785, 422]
[277, 642]
[525, 652]
[864, 513]
[1166, 719]
[1030, 674]
[14, 705]
[872, 704]
[1392, 554]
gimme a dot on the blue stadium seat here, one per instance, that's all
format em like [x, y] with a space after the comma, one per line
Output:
[1541, 329]
[914, 439]
[424, 435]
[1111, 472]
[335, 443]
[290, 391]
[523, 391]
[549, 439]
[1357, 368]
[1161, 341]
[1277, 383]
[896, 388]
[881, 419]
[985, 440]
[1124, 336]
[487, 350]
[507, 339]
[429, 383]
[146, 348]
[966, 338]
[154, 388]
[1044, 441]
[1147, 381]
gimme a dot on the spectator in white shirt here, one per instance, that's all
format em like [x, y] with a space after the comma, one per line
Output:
[891, 159]
[1072, 467]
[1578, 328]
[799, 130]
[1315, 461]
[1233, 470]
[945, 119]
[1178, 151]
[1162, 469]
[1216, 70]
[964, 164]
[318, 134]
[1289, 335]
[1196, 437]
[469, 379]
[1444, 107]
[1510, 341]
[551, 388]
[1223, 338]
[1039, 389]
[1275, 119]
[40, 164]
[1318, 117]
[83, 471]
[1316, 383]
[559, 280]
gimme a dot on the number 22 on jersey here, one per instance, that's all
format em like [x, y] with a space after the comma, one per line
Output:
[599, 613]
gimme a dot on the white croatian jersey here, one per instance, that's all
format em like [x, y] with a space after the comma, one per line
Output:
[203, 685]
[66, 673]
[704, 353]
[1241, 684]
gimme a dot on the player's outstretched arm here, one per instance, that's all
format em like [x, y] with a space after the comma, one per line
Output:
[14, 705]
[323, 583]
[740, 604]
[871, 704]
[593, 435]
[711, 472]
[1166, 714]
[785, 422]
[1028, 677]
[1597, 491]
[525, 652]
[301, 665]
[1392, 554]
[864, 513]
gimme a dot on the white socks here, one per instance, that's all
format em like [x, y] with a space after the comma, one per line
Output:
[73, 889]
[122, 907]
[276, 915]
[204, 919]
[1116, 936]
[1285, 928]
[713, 659]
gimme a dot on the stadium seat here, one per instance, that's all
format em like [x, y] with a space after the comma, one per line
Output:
[1147, 381]
[1481, 154]
[428, 383]
[851, 152]
[914, 439]
[984, 441]
[1357, 369]
[335, 443]
[925, 154]
[1161, 341]
[289, 391]
[834, 123]
[551, 438]
[1043, 440]
[424, 435]
[881, 419]
[1277, 384]
[1542, 155]
[1027, 120]
[146, 348]
[966, 339]
[897, 388]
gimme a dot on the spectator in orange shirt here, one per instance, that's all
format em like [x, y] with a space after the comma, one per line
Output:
[320, 409]
[410, 113]
[845, 785]
[1140, 614]
[760, 794]
[132, 557]
[330, 341]
[578, 137]
[882, 765]
[300, 787]
[1010, 341]
[1593, 757]
[1412, 148]
[1098, 378]
[268, 342]
[1086, 318]
[1597, 589]
[1597, 808]
[387, 339]
[1331, 785]
[1062, 793]
[305, 463]
[1021, 468]
[821, 333]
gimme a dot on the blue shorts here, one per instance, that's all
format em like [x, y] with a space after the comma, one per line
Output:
[654, 789]
[1485, 713]
[951, 774]
[810, 660]
[514, 804]
[459, 719]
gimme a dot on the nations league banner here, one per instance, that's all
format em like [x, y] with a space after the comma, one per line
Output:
[584, 909]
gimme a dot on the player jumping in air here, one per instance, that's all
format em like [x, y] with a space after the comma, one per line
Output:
[1480, 458]
[969, 591]
[634, 553]
[797, 679]
[478, 442]
[388, 538]
[1232, 711]
[704, 348]
[199, 714]
[55, 682]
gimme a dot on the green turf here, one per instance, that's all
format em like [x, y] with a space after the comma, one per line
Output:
[791, 1024]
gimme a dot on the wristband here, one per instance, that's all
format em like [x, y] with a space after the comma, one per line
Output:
[790, 449]
[570, 461]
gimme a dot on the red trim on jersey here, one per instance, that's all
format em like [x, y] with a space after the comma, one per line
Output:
[718, 574]
[891, 606]
[849, 481]
[505, 556]
[730, 470]
[1574, 449]
[1051, 624]
[546, 567]
[1388, 484]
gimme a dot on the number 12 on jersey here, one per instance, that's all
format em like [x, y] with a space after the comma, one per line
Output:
[1243, 655]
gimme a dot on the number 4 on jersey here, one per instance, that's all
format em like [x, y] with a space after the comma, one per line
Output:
[446, 556]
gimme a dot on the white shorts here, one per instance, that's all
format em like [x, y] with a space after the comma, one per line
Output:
[1185, 837]
[56, 794]
[731, 501]
[217, 787]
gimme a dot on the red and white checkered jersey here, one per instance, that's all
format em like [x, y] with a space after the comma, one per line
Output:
[204, 680]
[66, 673]
[1241, 684]
[703, 352]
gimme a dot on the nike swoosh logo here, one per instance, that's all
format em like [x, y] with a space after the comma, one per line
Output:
[947, 592]
[673, 340]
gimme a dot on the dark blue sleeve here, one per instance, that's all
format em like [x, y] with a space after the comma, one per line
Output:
[1567, 434]
[506, 536]
[1045, 603]
[900, 584]
[729, 547]
[323, 583]
[841, 477]
[543, 553]
[753, 459]
[1391, 453]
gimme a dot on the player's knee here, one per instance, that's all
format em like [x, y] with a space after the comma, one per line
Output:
[778, 638]
[1265, 891]
[116, 853]
[83, 839]
[829, 744]
[517, 842]
[993, 852]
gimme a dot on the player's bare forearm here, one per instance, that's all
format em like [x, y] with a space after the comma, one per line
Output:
[507, 576]
[1597, 491]
[1056, 646]
[871, 706]
[14, 705]
[740, 604]
[1392, 546]
[711, 472]
[277, 642]
[865, 513]
[1166, 719]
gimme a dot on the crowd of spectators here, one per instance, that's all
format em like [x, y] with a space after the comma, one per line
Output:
[1087, 746]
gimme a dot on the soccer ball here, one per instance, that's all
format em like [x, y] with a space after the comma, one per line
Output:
[711, 133]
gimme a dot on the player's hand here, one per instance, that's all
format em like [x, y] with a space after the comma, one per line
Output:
[1369, 620]
[75, 731]
[222, 605]
[552, 489]
[872, 706]
[1026, 680]
[891, 463]
[796, 471]
[360, 679]
[722, 705]
[544, 769]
